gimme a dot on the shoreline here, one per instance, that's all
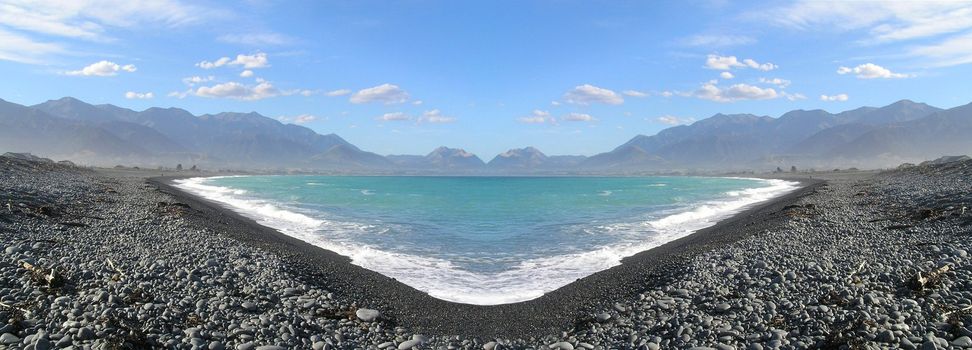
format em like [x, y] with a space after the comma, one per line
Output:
[554, 311]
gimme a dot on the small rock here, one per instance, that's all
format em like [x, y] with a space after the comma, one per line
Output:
[962, 342]
[8, 338]
[408, 344]
[270, 347]
[723, 307]
[367, 315]
[562, 346]
[603, 317]
[85, 333]
[248, 306]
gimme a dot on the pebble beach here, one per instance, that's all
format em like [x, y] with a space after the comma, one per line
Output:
[107, 260]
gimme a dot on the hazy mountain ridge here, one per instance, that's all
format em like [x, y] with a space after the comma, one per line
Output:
[68, 128]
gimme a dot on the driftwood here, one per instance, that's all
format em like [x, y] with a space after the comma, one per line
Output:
[958, 311]
[113, 267]
[857, 270]
[920, 282]
[8, 306]
[51, 278]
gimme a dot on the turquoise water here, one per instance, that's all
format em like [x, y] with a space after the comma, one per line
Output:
[486, 240]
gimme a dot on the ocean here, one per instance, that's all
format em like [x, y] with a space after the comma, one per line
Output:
[486, 240]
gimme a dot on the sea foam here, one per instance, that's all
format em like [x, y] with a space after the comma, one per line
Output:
[528, 279]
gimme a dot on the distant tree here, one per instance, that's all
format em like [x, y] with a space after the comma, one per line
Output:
[793, 169]
[778, 170]
[179, 167]
[193, 168]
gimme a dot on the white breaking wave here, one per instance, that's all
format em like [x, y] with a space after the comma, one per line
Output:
[527, 280]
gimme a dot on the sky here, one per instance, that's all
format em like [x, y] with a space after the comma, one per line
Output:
[568, 77]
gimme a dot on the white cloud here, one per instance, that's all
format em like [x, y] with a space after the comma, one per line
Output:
[667, 94]
[718, 62]
[673, 120]
[885, 21]
[781, 83]
[394, 117]
[587, 94]
[131, 95]
[257, 39]
[718, 40]
[193, 80]
[793, 96]
[90, 19]
[726, 75]
[239, 91]
[103, 69]
[339, 92]
[246, 73]
[578, 117]
[870, 71]
[300, 119]
[257, 60]
[538, 117]
[634, 93]
[949, 52]
[737, 92]
[417, 102]
[943, 26]
[22, 49]
[435, 117]
[555, 103]
[766, 67]
[384, 93]
[833, 98]
[304, 119]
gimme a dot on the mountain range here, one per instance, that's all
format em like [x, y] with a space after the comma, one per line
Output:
[106, 135]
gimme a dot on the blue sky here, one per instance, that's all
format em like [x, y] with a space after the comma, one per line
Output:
[569, 77]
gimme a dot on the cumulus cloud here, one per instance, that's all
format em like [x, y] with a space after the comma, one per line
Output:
[726, 75]
[870, 71]
[339, 92]
[435, 117]
[103, 69]
[394, 117]
[737, 92]
[587, 94]
[781, 83]
[578, 117]
[193, 80]
[131, 95]
[538, 117]
[718, 62]
[718, 40]
[634, 93]
[257, 39]
[384, 93]
[834, 98]
[673, 120]
[793, 96]
[246, 74]
[257, 60]
[304, 118]
[233, 90]
[300, 119]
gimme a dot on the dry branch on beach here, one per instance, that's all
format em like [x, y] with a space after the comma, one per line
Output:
[920, 282]
[40, 275]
